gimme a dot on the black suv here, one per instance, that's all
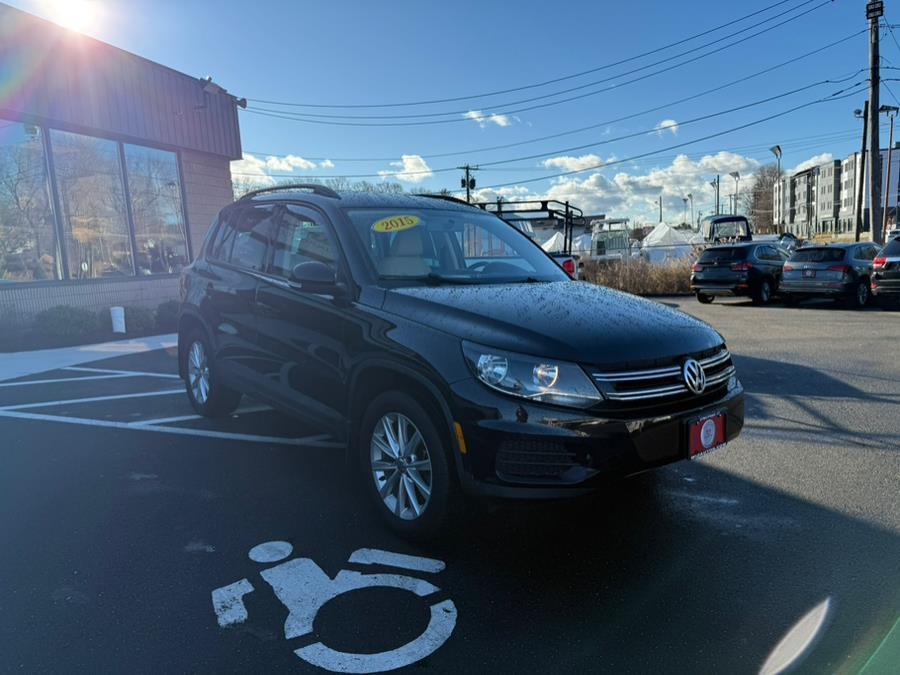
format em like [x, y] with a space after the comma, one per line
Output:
[752, 269]
[445, 349]
[886, 274]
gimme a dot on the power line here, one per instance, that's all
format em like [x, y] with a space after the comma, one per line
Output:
[531, 86]
[673, 147]
[455, 113]
[266, 112]
[591, 126]
[834, 96]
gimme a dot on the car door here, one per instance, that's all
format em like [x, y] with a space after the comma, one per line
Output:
[238, 255]
[301, 331]
[772, 262]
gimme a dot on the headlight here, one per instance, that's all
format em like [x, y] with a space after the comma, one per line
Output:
[537, 379]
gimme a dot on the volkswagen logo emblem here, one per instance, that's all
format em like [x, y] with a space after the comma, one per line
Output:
[694, 376]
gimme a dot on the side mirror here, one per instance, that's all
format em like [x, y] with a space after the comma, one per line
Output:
[314, 276]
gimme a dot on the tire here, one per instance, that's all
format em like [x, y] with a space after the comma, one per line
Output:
[859, 297]
[212, 399]
[704, 299]
[403, 477]
[762, 294]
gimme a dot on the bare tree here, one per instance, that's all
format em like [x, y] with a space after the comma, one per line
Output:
[759, 199]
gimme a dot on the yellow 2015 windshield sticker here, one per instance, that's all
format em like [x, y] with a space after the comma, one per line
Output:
[395, 223]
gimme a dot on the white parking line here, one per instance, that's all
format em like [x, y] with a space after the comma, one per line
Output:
[132, 373]
[92, 399]
[318, 441]
[188, 418]
[67, 379]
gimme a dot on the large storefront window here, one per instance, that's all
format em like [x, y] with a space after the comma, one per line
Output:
[92, 200]
[156, 208]
[28, 250]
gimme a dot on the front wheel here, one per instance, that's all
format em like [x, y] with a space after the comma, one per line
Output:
[207, 395]
[404, 463]
[704, 299]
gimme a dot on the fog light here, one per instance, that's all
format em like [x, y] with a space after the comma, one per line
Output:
[545, 375]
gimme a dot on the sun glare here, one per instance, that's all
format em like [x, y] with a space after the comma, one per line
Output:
[77, 15]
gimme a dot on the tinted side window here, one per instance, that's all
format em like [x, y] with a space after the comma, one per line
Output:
[301, 237]
[892, 248]
[766, 253]
[219, 247]
[251, 232]
[864, 253]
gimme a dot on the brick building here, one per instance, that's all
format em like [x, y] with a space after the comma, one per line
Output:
[111, 169]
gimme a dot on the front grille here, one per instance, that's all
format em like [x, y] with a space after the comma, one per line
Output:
[663, 383]
[533, 459]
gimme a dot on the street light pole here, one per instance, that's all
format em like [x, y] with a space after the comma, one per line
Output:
[776, 150]
[737, 189]
[860, 168]
[691, 198]
[891, 111]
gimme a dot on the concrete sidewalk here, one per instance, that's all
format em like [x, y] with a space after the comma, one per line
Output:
[21, 364]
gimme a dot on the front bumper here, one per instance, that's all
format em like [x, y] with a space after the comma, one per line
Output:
[524, 450]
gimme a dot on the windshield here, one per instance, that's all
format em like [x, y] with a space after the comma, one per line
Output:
[434, 246]
[818, 255]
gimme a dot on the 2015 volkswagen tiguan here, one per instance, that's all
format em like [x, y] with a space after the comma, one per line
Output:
[445, 349]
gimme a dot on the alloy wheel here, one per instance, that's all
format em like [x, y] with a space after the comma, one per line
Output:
[198, 372]
[401, 466]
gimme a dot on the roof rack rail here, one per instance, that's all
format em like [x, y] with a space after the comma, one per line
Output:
[449, 198]
[315, 188]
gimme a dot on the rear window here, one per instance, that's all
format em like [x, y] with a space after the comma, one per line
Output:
[892, 248]
[817, 255]
[723, 255]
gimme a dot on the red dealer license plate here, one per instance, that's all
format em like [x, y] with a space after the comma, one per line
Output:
[706, 434]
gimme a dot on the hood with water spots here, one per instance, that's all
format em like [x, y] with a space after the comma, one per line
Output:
[573, 321]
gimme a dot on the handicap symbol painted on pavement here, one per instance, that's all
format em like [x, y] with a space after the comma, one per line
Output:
[304, 588]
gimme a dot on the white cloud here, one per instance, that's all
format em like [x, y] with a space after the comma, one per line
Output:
[251, 170]
[633, 193]
[484, 119]
[288, 163]
[812, 161]
[567, 163]
[667, 125]
[412, 169]
[326, 164]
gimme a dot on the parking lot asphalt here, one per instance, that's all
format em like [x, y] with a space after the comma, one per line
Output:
[121, 512]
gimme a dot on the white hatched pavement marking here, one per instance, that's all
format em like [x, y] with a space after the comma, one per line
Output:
[68, 379]
[92, 399]
[188, 418]
[133, 373]
[318, 441]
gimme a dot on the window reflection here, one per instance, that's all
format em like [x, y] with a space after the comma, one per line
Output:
[28, 250]
[159, 232]
[89, 180]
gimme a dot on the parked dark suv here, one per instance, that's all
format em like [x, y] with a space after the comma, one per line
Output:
[445, 349]
[752, 269]
[886, 274]
[839, 271]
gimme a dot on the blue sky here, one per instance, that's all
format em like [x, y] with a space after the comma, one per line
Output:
[332, 52]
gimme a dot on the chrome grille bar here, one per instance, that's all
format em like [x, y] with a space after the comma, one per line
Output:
[667, 388]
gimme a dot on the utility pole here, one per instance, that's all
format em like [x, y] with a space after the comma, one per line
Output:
[891, 111]
[469, 181]
[860, 167]
[874, 11]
